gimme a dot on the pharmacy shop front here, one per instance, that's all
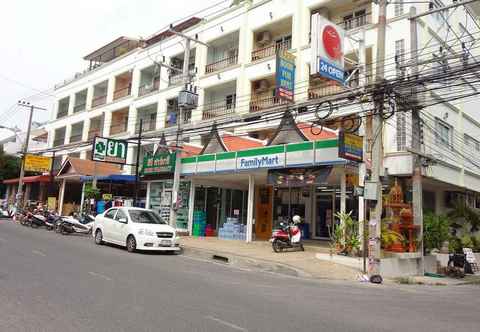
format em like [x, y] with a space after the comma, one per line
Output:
[243, 195]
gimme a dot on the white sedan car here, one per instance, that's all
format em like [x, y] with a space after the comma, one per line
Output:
[136, 229]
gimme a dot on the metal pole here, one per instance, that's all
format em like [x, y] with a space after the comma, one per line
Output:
[179, 144]
[377, 148]
[137, 164]
[417, 189]
[19, 198]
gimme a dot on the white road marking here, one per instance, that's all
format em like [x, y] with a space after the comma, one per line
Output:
[220, 321]
[36, 252]
[104, 277]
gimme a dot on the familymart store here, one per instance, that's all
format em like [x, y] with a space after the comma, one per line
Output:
[244, 194]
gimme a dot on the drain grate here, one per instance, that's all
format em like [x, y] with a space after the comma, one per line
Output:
[220, 258]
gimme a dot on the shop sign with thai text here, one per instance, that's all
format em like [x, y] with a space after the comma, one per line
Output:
[110, 150]
[158, 163]
[39, 164]
[350, 146]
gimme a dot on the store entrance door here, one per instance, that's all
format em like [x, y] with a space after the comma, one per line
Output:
[325, 207]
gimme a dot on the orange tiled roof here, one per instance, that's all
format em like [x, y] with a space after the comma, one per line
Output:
[237, 143]
[87, 167]
[306, 130]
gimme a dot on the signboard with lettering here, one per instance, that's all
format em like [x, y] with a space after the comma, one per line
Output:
[39, 164]
[350, 146]
[327, 49]
[269, 157]
[109, 150]
[158, 163]
[299, 176]
[285, 75]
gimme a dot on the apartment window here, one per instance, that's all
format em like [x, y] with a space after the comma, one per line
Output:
[399, 8]
[443, 133]
[400, 55]
[401, 131]
[471, 143]
[230, 101]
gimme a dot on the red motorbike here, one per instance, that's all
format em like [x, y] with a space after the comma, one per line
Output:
[288, 236]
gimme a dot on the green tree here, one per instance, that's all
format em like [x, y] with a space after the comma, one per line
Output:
[9, 169]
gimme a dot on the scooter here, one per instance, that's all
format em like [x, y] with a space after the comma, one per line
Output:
[69, 225]
[38, 219]
[5, 211]
[287, 236]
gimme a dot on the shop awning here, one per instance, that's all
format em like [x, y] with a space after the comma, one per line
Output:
[30, 179]
[116, 178]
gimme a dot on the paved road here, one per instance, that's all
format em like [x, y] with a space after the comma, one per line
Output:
[50, 282]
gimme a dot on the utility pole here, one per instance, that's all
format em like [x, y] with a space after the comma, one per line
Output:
[19, 198]
[417, 199]
[183, 107]
[377, 142]
[137, 164]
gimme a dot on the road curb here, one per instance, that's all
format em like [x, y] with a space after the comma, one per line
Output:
[244, 261]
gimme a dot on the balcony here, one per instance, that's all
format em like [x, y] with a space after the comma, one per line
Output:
[177, 78]
[59, 137]
[63, 106]
[323, 89]
[271, 50]
[218, 109]
[122, 92]
[59, 142]
[263, 103]
[173, 112]
[356, 20]
[119, 122]
[123, 86]
[147, 88]
[148, 116]
[76, 133]
[94, 132]
[80, 101]
[96, 127]
[99, 100]
[223, 63]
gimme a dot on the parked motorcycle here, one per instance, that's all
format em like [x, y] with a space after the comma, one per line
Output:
[288, 236]
[82, 224]
[5, 211]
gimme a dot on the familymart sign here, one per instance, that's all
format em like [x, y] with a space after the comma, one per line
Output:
[324, 152]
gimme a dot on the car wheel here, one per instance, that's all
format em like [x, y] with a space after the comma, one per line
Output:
[131, 244]
[98, 237]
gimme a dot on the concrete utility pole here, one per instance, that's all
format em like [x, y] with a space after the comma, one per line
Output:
[417, 199]
[180, 119]
[377, 142]
[19, 198]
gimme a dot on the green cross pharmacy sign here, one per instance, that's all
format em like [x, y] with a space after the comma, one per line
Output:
[109, 150]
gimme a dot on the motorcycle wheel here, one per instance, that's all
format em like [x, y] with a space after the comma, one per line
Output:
[33, 225]
[277, 246]
[302, 248]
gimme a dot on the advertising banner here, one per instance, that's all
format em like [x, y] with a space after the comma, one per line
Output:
[158, 163]
[39, 164]
[327, 49]
[110, 150]
[285, 75]
[350, 146]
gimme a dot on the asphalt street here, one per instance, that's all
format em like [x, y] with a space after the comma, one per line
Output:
[50, 282]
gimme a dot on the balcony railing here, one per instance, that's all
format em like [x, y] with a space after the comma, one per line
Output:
[271, 50]
[59, 141]
[79, 107]
[94, 132]
[149, 87]
[356, 22]
[217, 109]
[259, 104]
[187, 117]
[62, 113]
[99, 100]
[224, 63]
[147, 125]
[323, 90]
[119, 127]
[177, 78]
[122, 92]
[75, 138]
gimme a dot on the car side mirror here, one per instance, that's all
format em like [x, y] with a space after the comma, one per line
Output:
[122, 220]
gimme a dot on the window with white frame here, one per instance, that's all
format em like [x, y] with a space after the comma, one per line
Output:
[400, 55]
[399, 7]
[401, 131]
[471, 143]
[443, 133]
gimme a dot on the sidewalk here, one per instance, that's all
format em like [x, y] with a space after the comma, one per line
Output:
[259, 254]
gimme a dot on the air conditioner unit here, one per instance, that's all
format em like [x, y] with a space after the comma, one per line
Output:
[264, 38]
[262, 86]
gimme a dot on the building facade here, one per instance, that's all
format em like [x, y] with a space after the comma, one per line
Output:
[235, 79]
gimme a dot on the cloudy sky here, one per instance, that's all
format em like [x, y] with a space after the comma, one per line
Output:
[43, 42]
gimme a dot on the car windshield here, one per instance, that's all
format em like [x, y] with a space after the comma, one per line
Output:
[145, 217]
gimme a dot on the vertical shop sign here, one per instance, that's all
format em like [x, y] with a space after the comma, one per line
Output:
[285, 75]
[327, 49]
